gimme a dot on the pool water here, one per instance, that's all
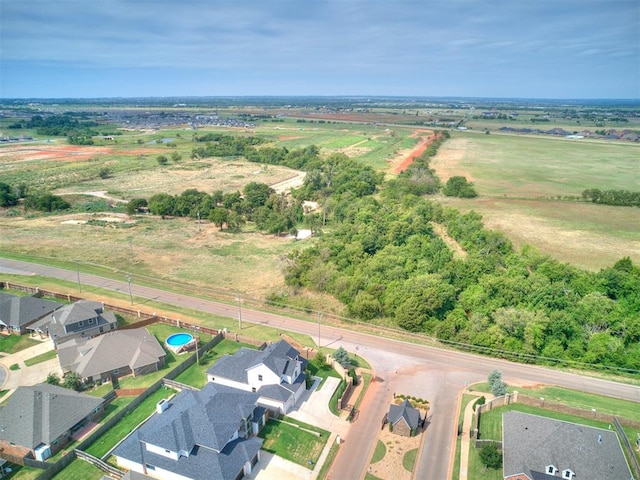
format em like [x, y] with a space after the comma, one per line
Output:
[179, 339]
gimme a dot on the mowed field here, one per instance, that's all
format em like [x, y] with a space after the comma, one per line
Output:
[523, 183]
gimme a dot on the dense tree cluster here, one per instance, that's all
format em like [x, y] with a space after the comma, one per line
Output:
[43, 201]
[459, 187]
[384, 262]
[618, 198]
[77, 132]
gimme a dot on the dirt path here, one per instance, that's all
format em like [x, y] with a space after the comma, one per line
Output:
[404, 159]
[99, 194]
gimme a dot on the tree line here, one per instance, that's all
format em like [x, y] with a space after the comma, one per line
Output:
[44, 201]
[384, 262]
[618, 198]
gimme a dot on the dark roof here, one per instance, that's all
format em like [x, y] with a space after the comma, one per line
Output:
[279, 357]
[201, 423]
[134, 348]
[41, 413]
[19, 311]
[531, 443]
[404, 411]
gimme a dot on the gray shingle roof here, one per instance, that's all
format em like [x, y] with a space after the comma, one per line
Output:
[41, 413]
[134, 348]
[531, 443]
[404, 411]
[279, 357]
[19, 311]
[202, 423]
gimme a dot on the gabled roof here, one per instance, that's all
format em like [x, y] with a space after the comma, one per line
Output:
[77, 312]
[209, 418]
[41, 413]
[405, 412]
[201, 423]
[18, 311]
[88, 357]
[530, 443]
[279, 357]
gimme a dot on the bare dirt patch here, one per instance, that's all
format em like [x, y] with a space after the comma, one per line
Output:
[458, 251]
[406, 157]
[64, 153]
[446, 162]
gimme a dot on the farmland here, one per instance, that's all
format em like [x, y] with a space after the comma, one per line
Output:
[523, 182]
[528, 187]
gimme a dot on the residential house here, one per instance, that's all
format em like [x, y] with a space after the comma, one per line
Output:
[539, 448]
[276, 373]
[39, 420]
[198, 435]
[112, 355]
[18, 313]
[81, 319]
[403, 418]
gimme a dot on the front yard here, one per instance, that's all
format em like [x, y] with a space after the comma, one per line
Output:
[294, 441]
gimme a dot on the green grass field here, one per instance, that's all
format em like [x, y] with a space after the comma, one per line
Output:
[523, 183]
[15, 343]
[80, 470]
[293, 443]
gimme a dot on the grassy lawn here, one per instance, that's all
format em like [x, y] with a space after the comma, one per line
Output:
[577, 399]
[369, 476]
[80, 470]
[18, 472]
[196, 375]
[14, 366]
[491, 421]
[100, 391]
[409, 460]
[379, 452]
[127, 424]
[293, 443]
[366, 381]
[15, 343]
[331, 456]
[50, 355]
[477, 471]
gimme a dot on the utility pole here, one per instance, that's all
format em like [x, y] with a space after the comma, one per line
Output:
[129, 281]
[239, 299]
[78, 274]
[320, 314]
[196, 338]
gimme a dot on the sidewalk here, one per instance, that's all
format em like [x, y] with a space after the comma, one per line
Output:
[465, 438]
[27, 375]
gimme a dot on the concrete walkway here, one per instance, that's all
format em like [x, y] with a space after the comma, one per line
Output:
[28, 375]
[314, 408]
[465, 438]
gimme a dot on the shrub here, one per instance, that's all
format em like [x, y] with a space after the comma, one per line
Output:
[490, 456]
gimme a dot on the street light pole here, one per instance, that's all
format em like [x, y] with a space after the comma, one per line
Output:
[129, 281]
[78, 273]
[239, 299]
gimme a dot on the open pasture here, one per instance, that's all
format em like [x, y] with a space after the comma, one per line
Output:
[521, 182]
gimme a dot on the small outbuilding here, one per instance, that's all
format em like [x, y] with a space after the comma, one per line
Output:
[403, 419]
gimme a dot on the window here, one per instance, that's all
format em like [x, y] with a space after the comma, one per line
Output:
[259, 378]
[551, 470]
[149, 467]
[116, 371]
[253, 389]
[113, 325]
[80, 324]
[91, 321]
[101, 329]
[567, 473]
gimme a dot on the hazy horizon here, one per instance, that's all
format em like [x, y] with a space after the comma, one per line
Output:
[544, 49]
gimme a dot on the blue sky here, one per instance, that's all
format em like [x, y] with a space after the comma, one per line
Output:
[477, 48]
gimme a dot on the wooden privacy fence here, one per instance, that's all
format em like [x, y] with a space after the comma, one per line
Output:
[104, 466]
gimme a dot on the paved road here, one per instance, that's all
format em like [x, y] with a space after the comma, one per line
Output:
[428, 372]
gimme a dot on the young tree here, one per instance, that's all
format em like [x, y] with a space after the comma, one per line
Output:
[72, 381]
[162, 160]
[342, 357]
[53, 379]
[490, 456]
[498, 387]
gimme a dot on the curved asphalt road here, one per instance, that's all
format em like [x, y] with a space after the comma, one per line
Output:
[428, 372]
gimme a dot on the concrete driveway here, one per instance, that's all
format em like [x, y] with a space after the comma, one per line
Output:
[314, 407]
[28, 375]
[272, 467]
